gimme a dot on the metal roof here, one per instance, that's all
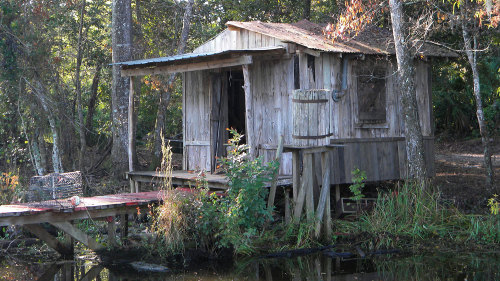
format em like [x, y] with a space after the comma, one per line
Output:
[372, 40]
[195, 57]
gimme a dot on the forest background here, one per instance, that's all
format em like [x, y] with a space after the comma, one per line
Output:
[56, 105]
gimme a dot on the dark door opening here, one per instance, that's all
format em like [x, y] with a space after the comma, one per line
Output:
[236, 102]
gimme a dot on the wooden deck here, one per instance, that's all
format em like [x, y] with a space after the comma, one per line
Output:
[186, 179]
[61, 214]
[89, 207]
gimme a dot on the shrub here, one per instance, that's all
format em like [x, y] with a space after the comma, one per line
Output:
[244, 209]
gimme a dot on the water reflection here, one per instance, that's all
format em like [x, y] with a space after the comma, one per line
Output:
[313, 268]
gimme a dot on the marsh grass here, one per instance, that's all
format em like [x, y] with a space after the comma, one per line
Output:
[414, 215]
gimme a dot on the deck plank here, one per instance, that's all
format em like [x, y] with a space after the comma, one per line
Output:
[117, 202]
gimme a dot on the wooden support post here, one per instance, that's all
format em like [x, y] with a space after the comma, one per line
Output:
[338, 206]
[308, 169]
[295, 173]
[48, 275]
[92, 273]
[50, 240]
[272, 191]
[78, 235]
[249, 111]
[137, 186]
[131, 136]
[132, 184]
[299, 200]
[68, 271]
[124, 225]
[328, 220]
[325, 191]
[111, 231]
[288, 216]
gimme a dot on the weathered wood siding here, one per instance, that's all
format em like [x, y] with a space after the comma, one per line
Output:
[380, 158]
[238, 40]
[271, 87]
[196, 110]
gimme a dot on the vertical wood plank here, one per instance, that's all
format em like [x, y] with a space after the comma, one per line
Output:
[325, 191]
[295, 174]
[308, 170]
[249, 110]
[288, 216]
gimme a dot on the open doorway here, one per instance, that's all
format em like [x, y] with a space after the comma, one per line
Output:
[236, 102]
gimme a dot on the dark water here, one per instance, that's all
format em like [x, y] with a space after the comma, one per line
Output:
[451, 266]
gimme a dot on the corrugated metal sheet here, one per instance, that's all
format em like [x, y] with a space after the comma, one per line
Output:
[372, 40]
[195, 57]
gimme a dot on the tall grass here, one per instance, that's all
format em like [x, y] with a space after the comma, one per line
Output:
[414, 214]
[172, 219]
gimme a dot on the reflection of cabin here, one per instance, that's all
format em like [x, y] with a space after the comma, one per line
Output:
[245, 78]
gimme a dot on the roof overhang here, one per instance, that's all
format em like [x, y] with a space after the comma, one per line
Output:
[195, 61]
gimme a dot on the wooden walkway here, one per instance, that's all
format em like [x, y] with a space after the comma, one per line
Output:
[62, 210]
[61, 213]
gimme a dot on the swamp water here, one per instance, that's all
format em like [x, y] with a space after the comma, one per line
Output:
[450, 266]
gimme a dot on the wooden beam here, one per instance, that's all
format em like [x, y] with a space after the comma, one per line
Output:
[186, 67]
[272, 191]
[50, 240]
[325, 191]
[249, 111]
[92, 273]
[295, 173]
[131, 125]
[308, 51]
[288, 217]
[78, 235]
[309, 170]
[112, 231]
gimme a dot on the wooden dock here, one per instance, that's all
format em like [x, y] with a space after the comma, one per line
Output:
[62, 212]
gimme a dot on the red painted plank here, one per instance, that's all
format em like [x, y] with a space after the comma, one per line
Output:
[87, 203]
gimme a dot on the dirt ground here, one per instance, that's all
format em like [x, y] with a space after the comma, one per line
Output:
[460, 173]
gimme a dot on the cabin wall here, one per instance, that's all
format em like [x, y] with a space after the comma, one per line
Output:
[377, 149]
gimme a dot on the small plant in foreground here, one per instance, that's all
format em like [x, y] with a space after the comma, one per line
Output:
[494, 204]
[358, 179]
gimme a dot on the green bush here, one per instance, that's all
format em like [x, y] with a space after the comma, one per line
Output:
[244, 210]
[234, 220]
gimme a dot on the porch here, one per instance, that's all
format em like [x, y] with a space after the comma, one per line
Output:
[186, 179]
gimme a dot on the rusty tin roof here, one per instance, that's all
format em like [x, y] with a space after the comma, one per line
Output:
[372, 40]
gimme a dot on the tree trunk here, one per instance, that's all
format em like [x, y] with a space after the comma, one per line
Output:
[92, 101]
[78, 89]
[406, 79]
[56, 154]
[166, 95]
[122, 51]
[43, 150]
[470, 43]
[37, 156]
[307, 10]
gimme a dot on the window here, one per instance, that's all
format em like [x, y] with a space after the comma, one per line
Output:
[371, 92]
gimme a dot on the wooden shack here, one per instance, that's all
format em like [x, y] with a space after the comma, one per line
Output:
[247, 78]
